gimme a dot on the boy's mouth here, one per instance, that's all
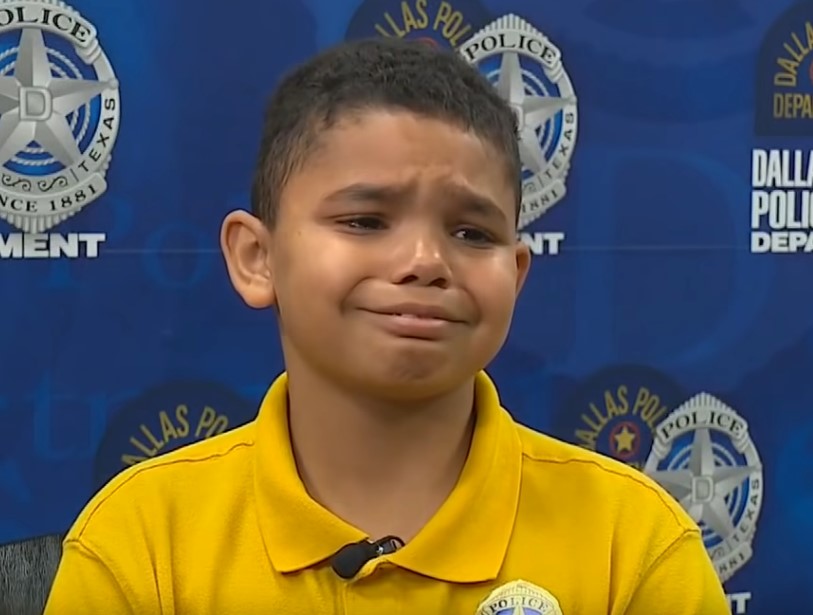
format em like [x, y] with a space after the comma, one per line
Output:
[418, 311]
[405, 324]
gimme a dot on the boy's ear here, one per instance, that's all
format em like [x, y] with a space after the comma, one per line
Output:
[246, 245]
[523, 257]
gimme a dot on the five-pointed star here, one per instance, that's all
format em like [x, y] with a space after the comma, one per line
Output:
[624, 440]
[703, 486]
[532, 111]
[34, 104]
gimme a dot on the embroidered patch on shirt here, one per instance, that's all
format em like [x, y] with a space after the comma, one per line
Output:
[519, 598]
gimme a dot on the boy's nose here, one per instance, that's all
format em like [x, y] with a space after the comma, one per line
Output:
[422, 260]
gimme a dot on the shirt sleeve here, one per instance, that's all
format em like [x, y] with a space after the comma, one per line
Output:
[682, 581]
[84, 584]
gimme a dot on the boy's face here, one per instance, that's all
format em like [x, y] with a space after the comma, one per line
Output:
[394, 261]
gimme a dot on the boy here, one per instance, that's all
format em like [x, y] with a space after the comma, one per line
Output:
[384, 235]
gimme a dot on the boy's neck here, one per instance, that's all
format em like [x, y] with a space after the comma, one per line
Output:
[385, 468]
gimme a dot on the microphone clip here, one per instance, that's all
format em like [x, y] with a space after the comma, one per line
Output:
[350, 559]
[387, 545]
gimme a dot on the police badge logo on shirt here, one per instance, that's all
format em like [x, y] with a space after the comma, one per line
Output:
[519, 598]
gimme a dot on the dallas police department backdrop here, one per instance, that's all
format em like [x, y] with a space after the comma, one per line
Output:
[667, 201]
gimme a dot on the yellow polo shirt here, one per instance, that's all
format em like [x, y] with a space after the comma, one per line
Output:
[225, 526]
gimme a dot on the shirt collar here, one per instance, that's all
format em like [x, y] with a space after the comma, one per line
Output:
[464, 542]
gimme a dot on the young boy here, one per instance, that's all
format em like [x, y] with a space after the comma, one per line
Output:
[384, 235]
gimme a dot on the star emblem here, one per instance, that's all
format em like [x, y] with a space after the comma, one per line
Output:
[532, 111]
[703, 486]
[624, 440]
[35, 104]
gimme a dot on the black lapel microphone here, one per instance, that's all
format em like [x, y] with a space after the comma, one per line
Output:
[351, 558]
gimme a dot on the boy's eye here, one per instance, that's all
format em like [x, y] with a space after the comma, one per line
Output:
[473, 235]
[363, 223]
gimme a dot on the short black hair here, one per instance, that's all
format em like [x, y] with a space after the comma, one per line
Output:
[367, 74]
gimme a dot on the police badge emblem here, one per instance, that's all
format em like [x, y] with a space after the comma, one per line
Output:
[59, 113]
[704, 456]
[519, 598]
[527, 70]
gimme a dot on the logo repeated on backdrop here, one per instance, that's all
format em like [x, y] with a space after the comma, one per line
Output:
[784, 92]
[59, 118]
[165, 418]
[704, 456]
[444, 24]
[782, 178]
[527, 70]
[616, 411]
[698, 450]
[520, 598]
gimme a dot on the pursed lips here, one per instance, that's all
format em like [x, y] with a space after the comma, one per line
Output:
[417, 311]
[416, 321]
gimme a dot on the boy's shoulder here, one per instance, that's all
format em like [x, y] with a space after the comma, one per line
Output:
[180, 478]
[202, 456]
[598, 479]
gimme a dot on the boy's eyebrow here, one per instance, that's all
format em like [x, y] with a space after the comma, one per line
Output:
[474, 202]
[368, 192]
[389, 193]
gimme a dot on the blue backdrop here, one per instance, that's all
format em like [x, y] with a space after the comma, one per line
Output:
[670, 214]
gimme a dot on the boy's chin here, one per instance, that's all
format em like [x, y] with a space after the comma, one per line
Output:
[413, 380]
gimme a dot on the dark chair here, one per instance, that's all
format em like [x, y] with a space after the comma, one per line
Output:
[27, 570]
